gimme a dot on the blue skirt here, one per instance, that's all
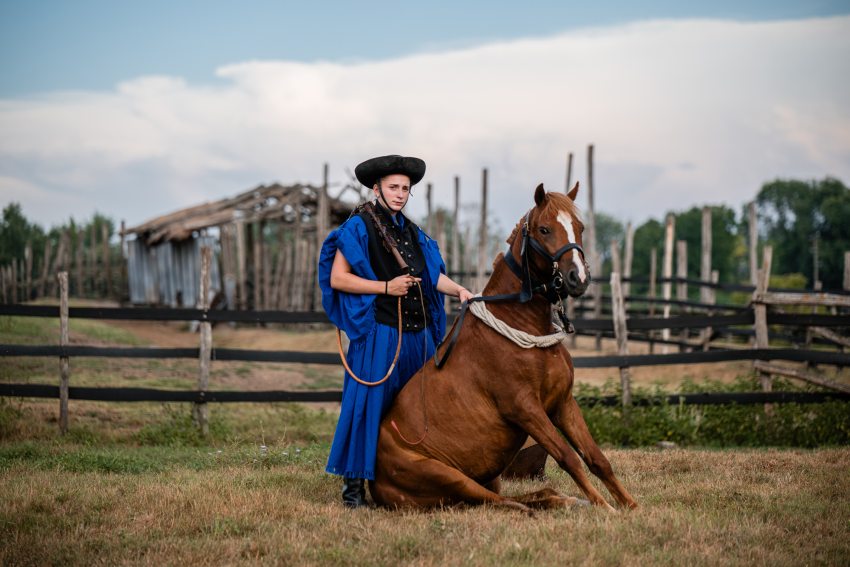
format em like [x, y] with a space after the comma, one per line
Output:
[356, 438]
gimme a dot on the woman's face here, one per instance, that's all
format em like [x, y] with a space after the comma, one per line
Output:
[396, 191]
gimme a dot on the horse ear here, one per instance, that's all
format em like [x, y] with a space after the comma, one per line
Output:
[539, 195]
[573, 192]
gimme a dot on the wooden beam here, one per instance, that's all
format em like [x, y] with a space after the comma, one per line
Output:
[705, 258]
[760, 309]
[806, 376]
[64, 363]
[802, 298]
[831, 335]
[618, 310]
[200, 410]
[481, 268]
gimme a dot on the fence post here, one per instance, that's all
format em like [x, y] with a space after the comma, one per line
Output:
[482, 236]
[429, 224]
[45, 267]
[242, 263]
[751, 210]
[682, 286]
[595, 286]
[569, 172]
[760, 312]
[3, 284]
[667, 274]
[104, 235]
[28, 269]
[627, 260]
[618, 309]
[64, 363]
[846, 284]
[201, 410]
[456, 234]
[653, 276]
[705, 260]
[712, 299]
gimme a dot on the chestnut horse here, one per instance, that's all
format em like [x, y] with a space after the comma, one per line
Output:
[452, 431]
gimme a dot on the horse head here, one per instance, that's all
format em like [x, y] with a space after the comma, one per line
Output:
[548, 243]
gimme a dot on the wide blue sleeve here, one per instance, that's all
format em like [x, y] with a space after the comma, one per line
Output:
[434, 267]
[354, 313]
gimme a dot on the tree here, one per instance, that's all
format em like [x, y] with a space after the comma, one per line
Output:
[793, 214]
[15, 232]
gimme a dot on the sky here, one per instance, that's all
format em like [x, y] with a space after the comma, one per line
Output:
[134, 110]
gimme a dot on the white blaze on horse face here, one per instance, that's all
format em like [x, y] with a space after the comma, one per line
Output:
[566, 221]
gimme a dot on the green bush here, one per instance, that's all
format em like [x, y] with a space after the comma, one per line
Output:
[732, 425]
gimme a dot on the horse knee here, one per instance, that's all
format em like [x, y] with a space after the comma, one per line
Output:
[601, 468]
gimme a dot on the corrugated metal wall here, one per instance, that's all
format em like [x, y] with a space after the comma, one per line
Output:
[170, 272]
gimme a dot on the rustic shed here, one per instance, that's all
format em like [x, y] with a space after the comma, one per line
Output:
[264, 241]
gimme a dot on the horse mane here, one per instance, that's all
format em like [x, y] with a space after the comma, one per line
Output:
[553, 203]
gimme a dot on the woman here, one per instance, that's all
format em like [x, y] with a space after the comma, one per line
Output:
[376, 257]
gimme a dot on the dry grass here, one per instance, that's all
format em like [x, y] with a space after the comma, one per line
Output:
[129, 485]
[697, 508]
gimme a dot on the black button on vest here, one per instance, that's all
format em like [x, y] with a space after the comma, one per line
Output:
[414, 314]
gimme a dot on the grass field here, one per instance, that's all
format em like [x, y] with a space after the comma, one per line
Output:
[134, 484]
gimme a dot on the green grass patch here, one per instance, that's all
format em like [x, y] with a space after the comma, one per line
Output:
[731, 425]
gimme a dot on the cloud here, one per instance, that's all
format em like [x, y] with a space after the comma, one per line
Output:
[681, 112]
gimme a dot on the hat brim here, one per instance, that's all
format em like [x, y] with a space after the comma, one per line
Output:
[372, 170]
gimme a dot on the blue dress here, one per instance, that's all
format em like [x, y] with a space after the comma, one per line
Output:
[372, 346]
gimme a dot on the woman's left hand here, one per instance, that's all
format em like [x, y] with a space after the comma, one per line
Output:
[464, 295]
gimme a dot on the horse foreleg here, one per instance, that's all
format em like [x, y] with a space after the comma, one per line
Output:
[536, 423]
[549, 498]
[571, 422]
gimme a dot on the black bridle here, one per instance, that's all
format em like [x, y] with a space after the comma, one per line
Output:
[555, 290]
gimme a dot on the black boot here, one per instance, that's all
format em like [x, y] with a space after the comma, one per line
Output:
[353, 492]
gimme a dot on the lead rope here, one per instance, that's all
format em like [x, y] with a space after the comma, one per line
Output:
[392, 366]
[421, 382]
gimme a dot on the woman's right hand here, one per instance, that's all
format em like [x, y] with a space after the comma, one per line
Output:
[401, 285]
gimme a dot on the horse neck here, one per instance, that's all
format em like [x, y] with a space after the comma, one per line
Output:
[534, 316]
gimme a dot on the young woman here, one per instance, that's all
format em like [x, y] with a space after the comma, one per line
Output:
[362, 280]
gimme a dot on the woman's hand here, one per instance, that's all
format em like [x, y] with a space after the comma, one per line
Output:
[399, 286]
[464, 294]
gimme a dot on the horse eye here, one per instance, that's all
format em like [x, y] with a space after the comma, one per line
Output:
[544, 230]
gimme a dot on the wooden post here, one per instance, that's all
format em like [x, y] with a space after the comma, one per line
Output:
[846, 284]
[323, 213]
[618, 310]
[257, 228]
[28, 271]
[705, 258]
[681, 286]
[45, 267]
[267, 269]
[480, 279]
[456, 233]
[14, 279]
[815, 261]
[616, 263]
[627, 262]
[653, 276]
[241, 264]
[760, 309]
[712, 299]
[753, 243]
[78, 262]
[667, 274]
[64, 363]
[3, 295]
[58, 263]
[124, 284]
[596, 286]
[92, 260]
[104, 236]
[569, 172]
[200, 411]
[429, 223]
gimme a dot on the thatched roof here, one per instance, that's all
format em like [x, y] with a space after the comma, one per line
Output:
[263, 202]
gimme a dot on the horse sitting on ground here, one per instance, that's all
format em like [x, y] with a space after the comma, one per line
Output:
[452, 431]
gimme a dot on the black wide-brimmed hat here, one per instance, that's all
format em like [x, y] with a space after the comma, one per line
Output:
[372, 170]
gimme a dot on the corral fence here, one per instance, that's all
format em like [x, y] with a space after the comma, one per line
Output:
[767, 361]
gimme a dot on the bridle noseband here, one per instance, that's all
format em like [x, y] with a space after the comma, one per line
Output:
[554, 290]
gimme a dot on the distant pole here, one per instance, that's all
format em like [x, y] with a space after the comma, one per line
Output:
[45, 267]
[201, 410]
[667, 274]
[241, 263]
[456, 231]
[78, 261]
[618, 310]
[429, 224]
[569, 172]
[482, 235]
[815, 261]
[28, 269]
[64, 363]
[751, 209]
[627, 262]
[760, 309]
[594, 253]
[705, 258]
[682, 274]
[104, 235]
[323, 215]
[846, 284]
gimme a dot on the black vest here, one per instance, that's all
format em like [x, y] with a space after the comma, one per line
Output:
[414, 315]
